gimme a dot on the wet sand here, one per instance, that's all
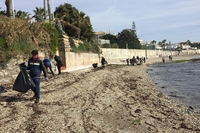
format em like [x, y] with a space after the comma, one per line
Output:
[117, 98]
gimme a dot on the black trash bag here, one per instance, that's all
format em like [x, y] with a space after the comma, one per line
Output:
[23, 82]
[95, 65]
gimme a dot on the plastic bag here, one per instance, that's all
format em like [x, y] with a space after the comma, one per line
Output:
[23, 82]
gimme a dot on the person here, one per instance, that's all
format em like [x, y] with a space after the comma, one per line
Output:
[103, 61]
[141, 61]
[35, 66]
[144, 59]
[170, 58]
[127, 60]
[47, 64]
[58, 61]
[131, 61]
[138, 58]
[163, 59]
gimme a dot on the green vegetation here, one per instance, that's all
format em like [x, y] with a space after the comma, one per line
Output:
[179, 61]
[126, 37]
[18, 47]
[75, 23]
[86, 47]
[136, 121]
[161, 95]
[53, 35]
[19, 36]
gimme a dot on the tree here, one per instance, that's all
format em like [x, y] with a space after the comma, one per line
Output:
[45, 14]
[153, 42]
[114, 45]
[39, 13]
[189, 43]
[108, 37]
[75, 23]
[22, 14]
[49, 10]
[9, 9]
[163, 43]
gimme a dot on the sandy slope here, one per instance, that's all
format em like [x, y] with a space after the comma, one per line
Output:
[111, 99]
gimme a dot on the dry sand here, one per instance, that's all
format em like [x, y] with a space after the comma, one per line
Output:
[117, 98]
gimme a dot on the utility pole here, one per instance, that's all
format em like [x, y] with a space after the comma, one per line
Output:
[13, 8]
[45, 13]
[52, 9]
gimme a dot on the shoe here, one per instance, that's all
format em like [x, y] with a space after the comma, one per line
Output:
[37, 101]
[59, 74]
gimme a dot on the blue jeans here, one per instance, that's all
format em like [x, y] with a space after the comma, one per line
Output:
[36, 90]
[50, 69]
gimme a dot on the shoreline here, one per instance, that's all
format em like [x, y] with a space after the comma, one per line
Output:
[118, 98]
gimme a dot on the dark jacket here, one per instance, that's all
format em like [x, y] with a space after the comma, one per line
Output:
[58, 60]
[35, 67]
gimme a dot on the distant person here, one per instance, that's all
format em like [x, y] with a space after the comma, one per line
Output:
[103, 61]
[127, 60]
[141, 61]
[170, 58]
[163, 59]
[35, 66]
[58, 61]
[47, 64]
[144, 59]
[131, 61]
[137, 57]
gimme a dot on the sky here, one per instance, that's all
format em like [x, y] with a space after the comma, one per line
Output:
[173, 20]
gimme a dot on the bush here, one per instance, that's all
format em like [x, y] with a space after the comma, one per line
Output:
[106, 45]
[18, 47]
[19, 36]
[53, 35]
[114, 45]
[86, 47]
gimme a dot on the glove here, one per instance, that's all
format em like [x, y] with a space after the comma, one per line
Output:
[47, 79]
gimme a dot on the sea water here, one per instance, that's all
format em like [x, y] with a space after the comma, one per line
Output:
[180, 81]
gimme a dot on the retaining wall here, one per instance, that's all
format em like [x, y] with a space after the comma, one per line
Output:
[75, 61]
[120, 55]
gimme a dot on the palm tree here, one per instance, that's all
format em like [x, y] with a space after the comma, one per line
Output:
[39, 13]
[49, 10]
[9, 9]
[45, 15]
[153, 42]
[22, 14]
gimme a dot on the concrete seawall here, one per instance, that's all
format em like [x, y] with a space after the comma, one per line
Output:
[120, 55]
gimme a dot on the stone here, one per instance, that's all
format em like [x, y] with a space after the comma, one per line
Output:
[191, 107]
[63, 36]
[1, 74]
[2, 89]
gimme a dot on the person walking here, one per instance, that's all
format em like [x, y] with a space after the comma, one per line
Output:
[144, 59]
[103, 61]
[58, 61]
[163, 59]
[127, 60]
[47, 64]
[35, 66]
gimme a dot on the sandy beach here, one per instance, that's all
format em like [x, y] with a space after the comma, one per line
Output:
[117, 98]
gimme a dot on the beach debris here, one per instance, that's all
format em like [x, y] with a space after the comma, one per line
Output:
[2, 89]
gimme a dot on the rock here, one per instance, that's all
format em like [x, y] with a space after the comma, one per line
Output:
[2, 89]
[191, 108]
[1, 74]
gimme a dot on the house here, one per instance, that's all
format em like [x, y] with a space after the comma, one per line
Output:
[101, 41]
[99, 34]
